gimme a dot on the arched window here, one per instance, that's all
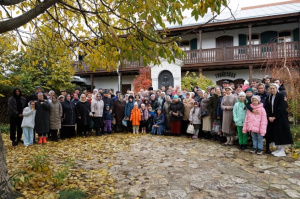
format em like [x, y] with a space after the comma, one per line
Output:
[255, 39]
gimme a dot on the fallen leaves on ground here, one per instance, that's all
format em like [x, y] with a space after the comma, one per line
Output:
[92, 157]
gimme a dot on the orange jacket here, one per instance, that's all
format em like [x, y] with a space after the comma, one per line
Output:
[136, 116]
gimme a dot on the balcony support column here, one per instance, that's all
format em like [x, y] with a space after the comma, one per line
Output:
[92, 82]
[250, 40]
[299, 36]
[200, 72]
[200, 45]
[250, 74]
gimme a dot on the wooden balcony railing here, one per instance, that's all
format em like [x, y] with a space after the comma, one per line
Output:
[226, 54]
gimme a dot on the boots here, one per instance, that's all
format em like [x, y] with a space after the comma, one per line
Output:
[228, 140]
[133, 130]
[137, 130]
[40, 140]
[44, 140]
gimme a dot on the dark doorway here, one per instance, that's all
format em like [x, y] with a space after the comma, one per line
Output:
[166, 79]
[221, 42]
[125, 87]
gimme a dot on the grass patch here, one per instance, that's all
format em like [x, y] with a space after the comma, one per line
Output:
[295, 130]
[72, 194]
[4, 128]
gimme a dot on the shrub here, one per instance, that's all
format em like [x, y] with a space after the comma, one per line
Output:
[72, 194]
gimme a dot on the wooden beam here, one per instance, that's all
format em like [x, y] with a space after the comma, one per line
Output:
[200, 45]
[92, 82]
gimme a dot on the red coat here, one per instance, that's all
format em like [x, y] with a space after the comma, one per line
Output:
[135, 116]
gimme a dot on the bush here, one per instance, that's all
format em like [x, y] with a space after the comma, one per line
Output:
[72, 194]
[295, 130]
[4, 128]
[189, 81]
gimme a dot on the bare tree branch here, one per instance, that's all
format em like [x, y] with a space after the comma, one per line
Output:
[21, 20]
[10, 2]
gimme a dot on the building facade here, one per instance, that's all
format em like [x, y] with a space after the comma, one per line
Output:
[234, 48]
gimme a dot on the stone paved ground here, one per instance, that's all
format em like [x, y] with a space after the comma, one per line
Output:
[178, 167]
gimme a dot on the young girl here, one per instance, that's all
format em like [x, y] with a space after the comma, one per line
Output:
[145, 115]
[28, 123]
[256, 124]
[135, 118]
[195, 118]
[239, 114]
[107, 118]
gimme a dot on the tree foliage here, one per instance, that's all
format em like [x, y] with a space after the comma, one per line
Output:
[108, 31]
[143, 80]
[190, 80]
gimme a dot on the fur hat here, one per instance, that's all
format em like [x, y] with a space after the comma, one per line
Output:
[255, 97]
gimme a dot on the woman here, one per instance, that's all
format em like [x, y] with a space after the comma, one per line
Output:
[68, 119]
[227, 104]
[138, 100]
[118, 112]
[158, 126]
[188, 104]
[42, 118]
[278, 129]
[94, 95]
[205, 115]
[127, 113]
[89, 97]
[97, 110]
[261, 92]
[83, 111]
[166, 109]
[55, 118]
[176, 112]
[213, 106]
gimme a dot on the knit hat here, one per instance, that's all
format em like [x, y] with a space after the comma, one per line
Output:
[246, 82]
[135, 104]
[175, 97]
[249, 89]
[130, 97]
[242, 94]
[255, 97]
[228, 88]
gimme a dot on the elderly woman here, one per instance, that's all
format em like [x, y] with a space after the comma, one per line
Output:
[118, 112]
[68, 119]
[227, 104]
[97, 108]
[188, 104]
[55, 118]
[138, 100]
[278, 130]
[176, 112]
[166, 111]
[205, 115]
[161, 99]
[83, 110]
[158, 126]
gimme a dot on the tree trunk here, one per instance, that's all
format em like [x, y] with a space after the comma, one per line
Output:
[5, 186]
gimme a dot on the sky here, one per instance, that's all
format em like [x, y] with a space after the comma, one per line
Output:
[245, 3]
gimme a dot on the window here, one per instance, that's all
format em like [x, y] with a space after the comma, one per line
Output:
[286, 34]
[254, 39]
[185, 45]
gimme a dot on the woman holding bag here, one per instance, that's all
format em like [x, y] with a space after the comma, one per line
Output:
[195, 119]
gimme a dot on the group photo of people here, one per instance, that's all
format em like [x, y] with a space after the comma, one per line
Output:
[244, 114]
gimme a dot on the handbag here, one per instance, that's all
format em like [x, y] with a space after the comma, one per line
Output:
[216, 130]
[114, 121]
[126, 118]
[190, 129]
[233, 126]
[204, 113]
[124, 122]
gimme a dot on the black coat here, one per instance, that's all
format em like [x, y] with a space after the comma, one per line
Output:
[119, 110]
[176, 107]
[107, 102]
[83, 110]
[154, 104]
[69, 114]
[279, 130]
[212, 106]
[42, 117]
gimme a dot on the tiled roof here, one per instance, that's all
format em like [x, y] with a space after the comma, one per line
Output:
[241, 15]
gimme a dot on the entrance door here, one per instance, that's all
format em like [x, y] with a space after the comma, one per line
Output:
[166, 79]
[125, 87]
[221, 42]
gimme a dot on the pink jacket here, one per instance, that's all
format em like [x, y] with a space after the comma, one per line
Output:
[256, 123]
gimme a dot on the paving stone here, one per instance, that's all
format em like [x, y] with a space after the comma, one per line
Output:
[292, 193]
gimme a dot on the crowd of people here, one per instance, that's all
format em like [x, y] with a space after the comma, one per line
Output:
[225, 113]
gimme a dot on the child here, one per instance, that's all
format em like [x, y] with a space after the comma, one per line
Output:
[239, 114]
[151, 115]
[107, 118]
[145, 115]
[135, 118]
[256, 124]
[195, 118]
[28, 123]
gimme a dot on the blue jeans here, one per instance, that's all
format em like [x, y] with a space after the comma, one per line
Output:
[28, 135]
[160, 129]
[257, 140]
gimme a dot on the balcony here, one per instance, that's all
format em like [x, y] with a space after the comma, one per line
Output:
[218, 56]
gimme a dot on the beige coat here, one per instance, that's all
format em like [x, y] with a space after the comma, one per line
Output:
[188, 105]
[228, 101]
[55, 115]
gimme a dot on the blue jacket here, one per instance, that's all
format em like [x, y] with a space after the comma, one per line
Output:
[128, 108]
[263, 97]
[159, 120]
[107, 115]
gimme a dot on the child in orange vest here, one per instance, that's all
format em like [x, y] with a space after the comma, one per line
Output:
[135, 118]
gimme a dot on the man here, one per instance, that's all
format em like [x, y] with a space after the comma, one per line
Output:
[118, 93]
[281, 87]
[100, 91]
[199, 96]
[225, 84]
[63, 92]
[84, 90]
[107, 101]
[153, 102]
[75, 99]
[34, 96]
[253, 83]
[163, 89]
[208, 89]
[16, 104]
[267, 81]
[77, 91]
[42, 118]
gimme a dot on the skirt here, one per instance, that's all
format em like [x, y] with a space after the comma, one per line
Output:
[206, 124]
[175, 127]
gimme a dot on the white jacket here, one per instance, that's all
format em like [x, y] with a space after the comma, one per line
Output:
[194, 117]
[28, 117]
[97, 107]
